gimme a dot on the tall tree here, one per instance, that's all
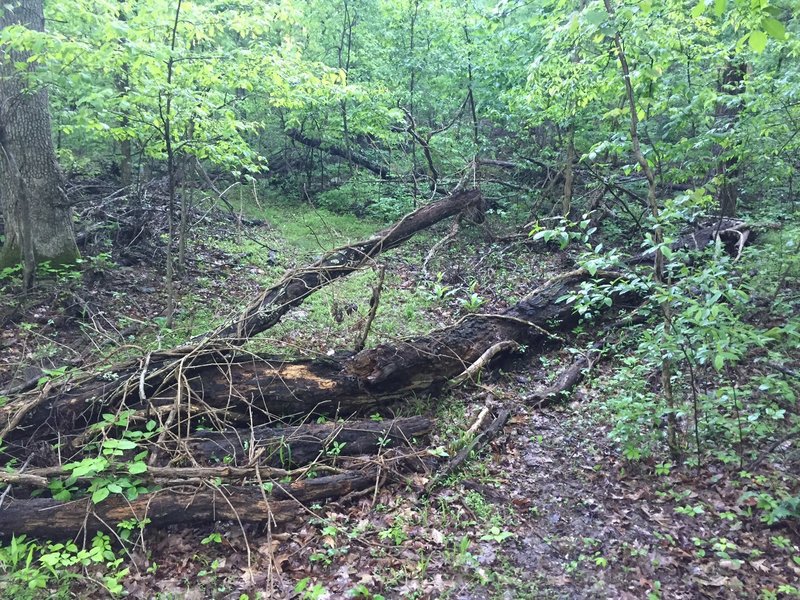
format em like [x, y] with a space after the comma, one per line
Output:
[38, 225]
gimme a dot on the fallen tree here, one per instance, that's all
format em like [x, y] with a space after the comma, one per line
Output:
[355, 158]
[214, 402]
[246, 388]
[178, 504]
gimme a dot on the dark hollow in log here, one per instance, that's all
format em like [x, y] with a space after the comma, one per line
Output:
[47, 518]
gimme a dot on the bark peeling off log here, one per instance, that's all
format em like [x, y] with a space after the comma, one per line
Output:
[49, 518]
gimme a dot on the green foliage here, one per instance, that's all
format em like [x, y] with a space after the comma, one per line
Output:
[366, 196]
[47, 570]
[114, 469]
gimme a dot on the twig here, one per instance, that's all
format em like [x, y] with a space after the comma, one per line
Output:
[478, 422]
[476, 444]
[483, 360]
[435, 248]
[373, 309]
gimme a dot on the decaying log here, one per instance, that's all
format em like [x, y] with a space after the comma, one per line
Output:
[733, 232]
[564, 383]
[50, 518]
[379, 170]
[292, 446]
[248, 387]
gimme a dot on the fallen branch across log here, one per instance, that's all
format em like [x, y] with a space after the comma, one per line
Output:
[297, 285]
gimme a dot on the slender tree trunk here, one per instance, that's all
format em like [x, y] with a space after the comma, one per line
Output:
[411, 89]
[566, 201]
[728, 168]
[35, 208]
[122, 84]
[471, 88]
[345, 49]
[166, 117]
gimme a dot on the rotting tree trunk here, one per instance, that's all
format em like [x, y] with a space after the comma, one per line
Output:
[293, 446]
[250, 387]
[44, 517]
[355, 158]
[35, 208]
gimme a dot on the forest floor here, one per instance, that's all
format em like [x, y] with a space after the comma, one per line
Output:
[550, 509]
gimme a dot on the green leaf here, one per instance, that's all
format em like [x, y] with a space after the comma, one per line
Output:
[698, 10]
[595, 17]
[719, 362]
[774, 27]
[758, 41]
[62, 496]
[100, 495]
[136, 468]
[720, 6]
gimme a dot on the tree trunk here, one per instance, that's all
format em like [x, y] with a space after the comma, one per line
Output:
[566, 202]
[37, 215]
[732, 85]
[45, 517]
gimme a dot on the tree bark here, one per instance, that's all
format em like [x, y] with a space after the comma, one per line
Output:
[289, 447]
[48, 518]
[35, 208]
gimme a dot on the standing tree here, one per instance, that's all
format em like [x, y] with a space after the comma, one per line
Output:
[38, 226]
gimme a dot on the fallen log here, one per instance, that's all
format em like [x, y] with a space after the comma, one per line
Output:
[45, 517]
[732, 232]
[288, 447]
[252, 389]
[564, 383]
[379, 170]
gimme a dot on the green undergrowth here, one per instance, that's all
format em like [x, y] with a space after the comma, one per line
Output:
[732, 345]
